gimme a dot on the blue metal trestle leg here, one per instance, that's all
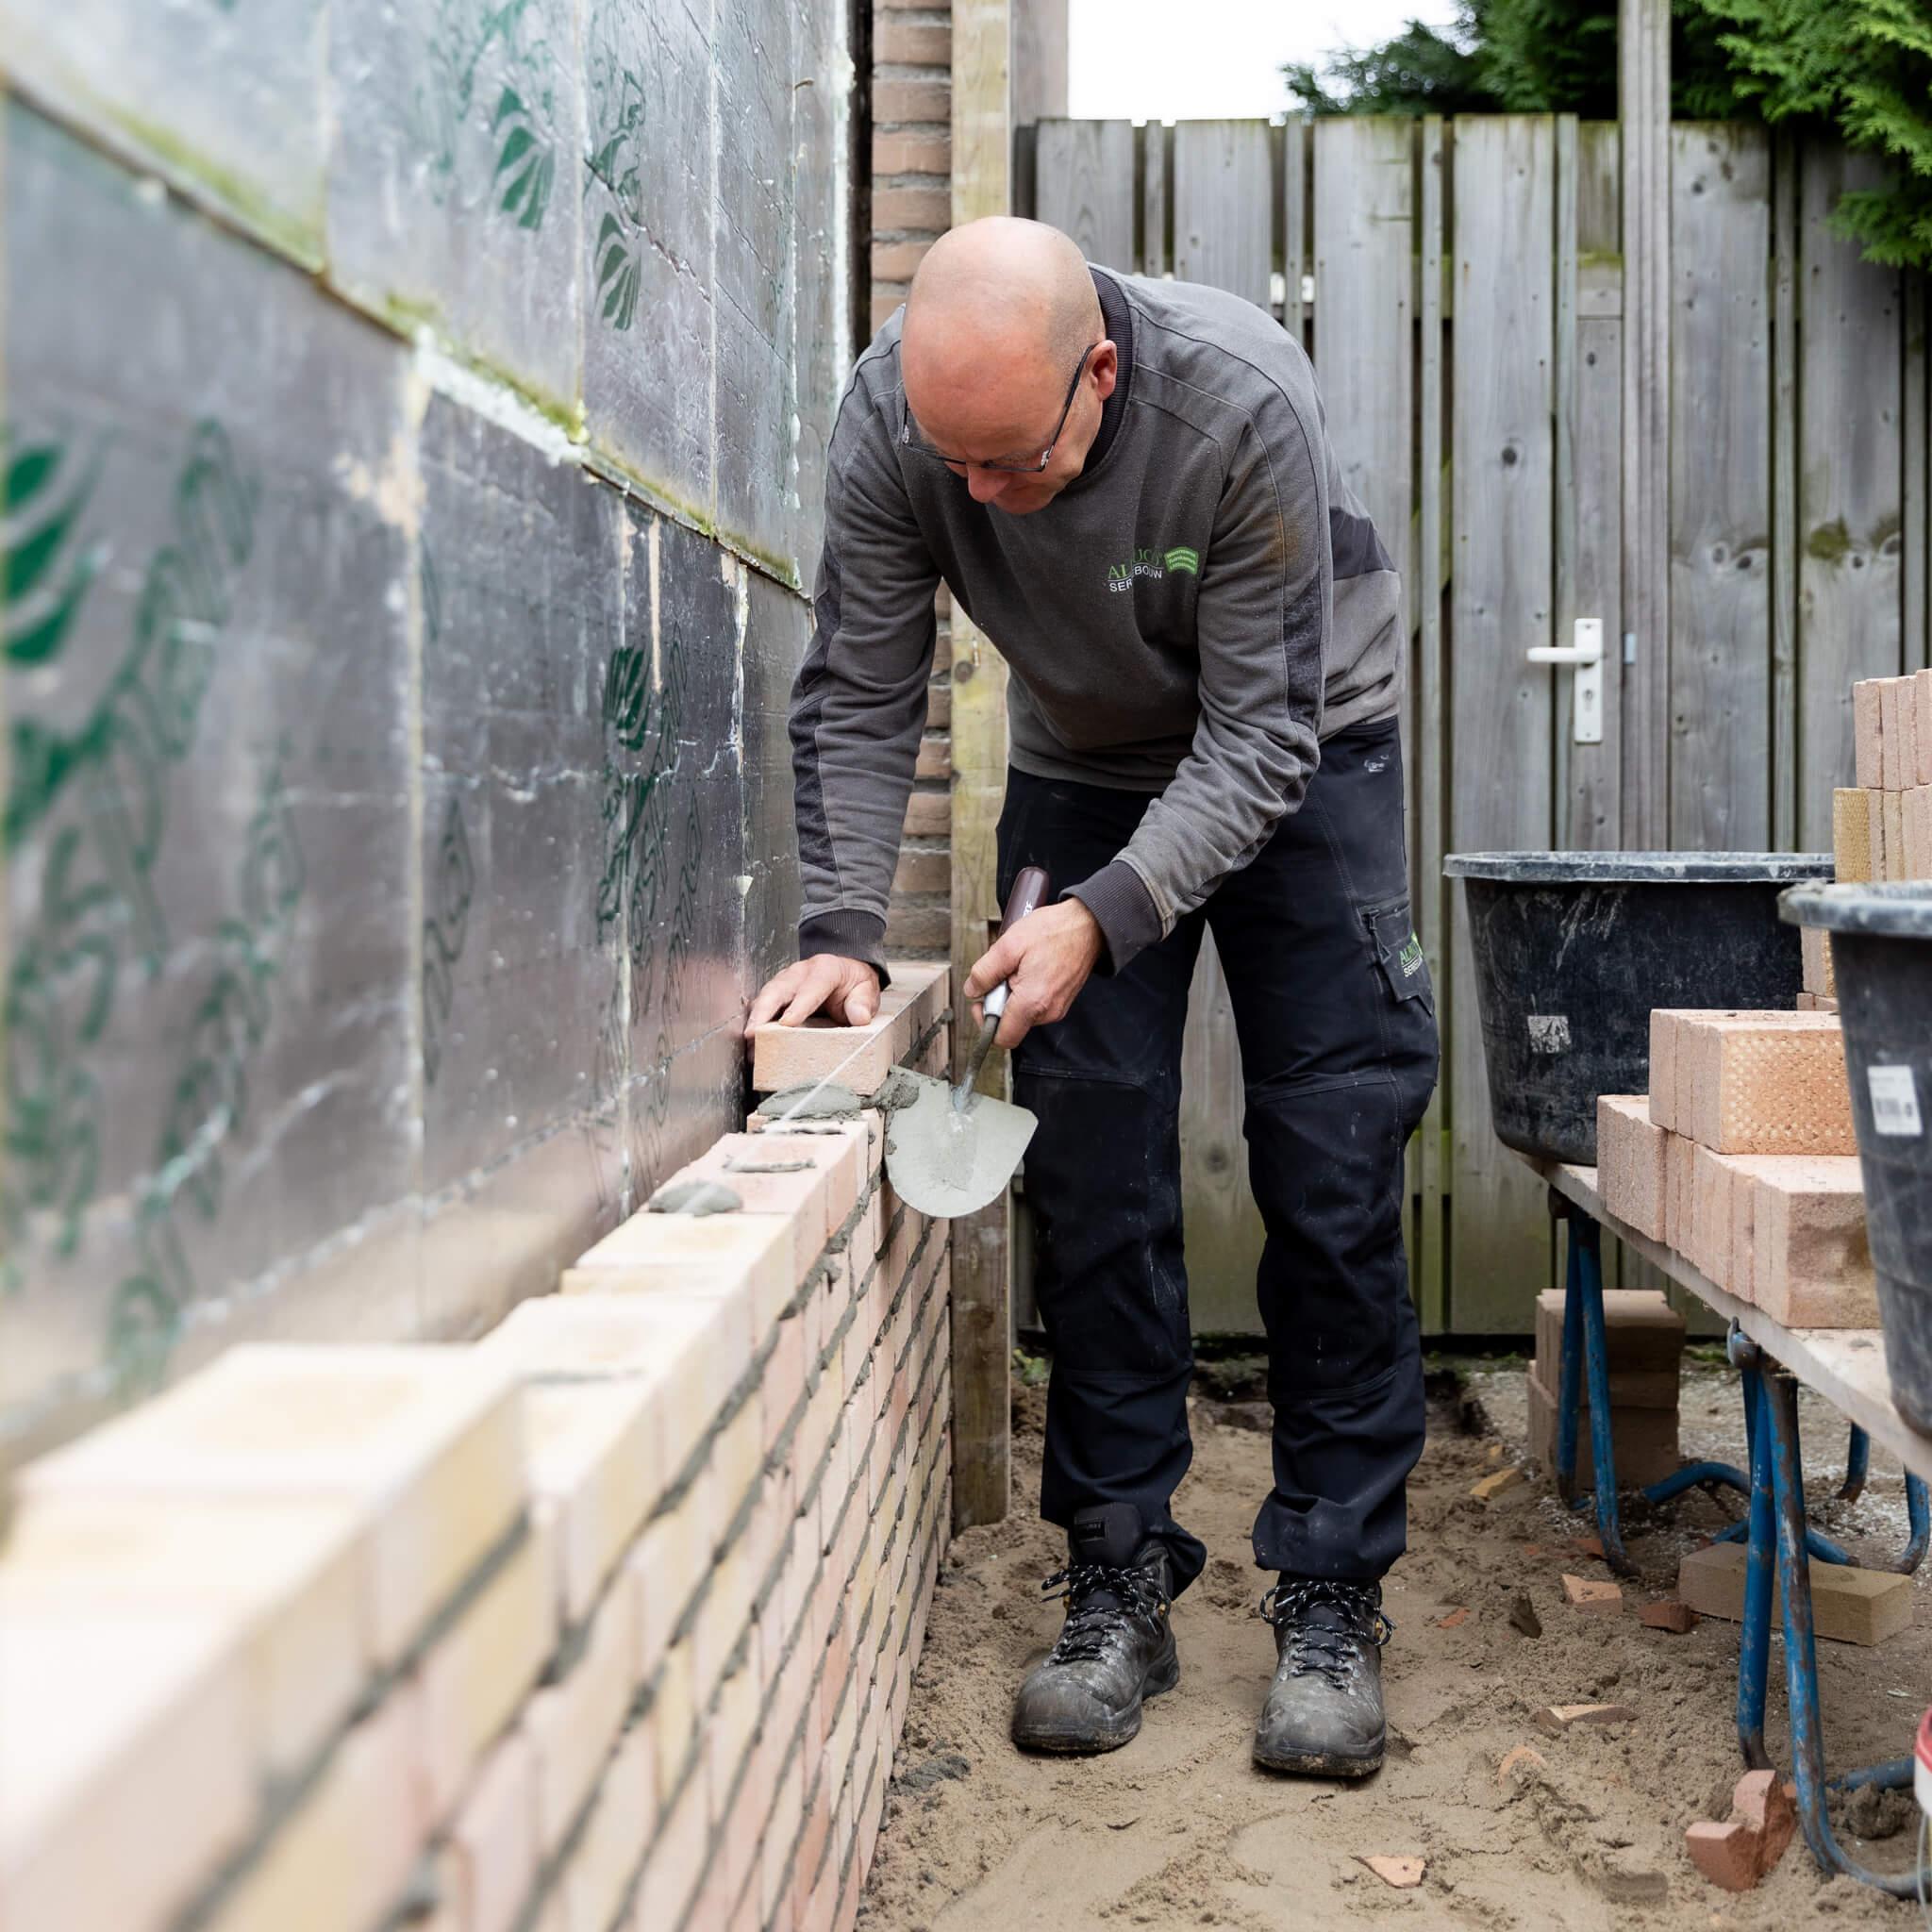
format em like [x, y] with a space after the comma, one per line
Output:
[1586, 1358]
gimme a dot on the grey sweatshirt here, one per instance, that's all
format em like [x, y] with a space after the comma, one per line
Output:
[1189, 618]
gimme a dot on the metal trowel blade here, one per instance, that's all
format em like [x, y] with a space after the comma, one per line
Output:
[948, 1160]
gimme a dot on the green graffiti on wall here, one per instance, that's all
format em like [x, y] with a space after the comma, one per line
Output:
[521, 114]
[96, 797]
[616, 110]
[209, 1104]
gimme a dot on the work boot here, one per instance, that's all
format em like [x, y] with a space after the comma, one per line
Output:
[1324, 1714]
[1116, 1646]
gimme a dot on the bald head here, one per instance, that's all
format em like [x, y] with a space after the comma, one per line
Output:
[1013, 290]
[999, 317]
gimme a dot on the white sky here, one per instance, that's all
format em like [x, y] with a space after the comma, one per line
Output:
[1152, 59]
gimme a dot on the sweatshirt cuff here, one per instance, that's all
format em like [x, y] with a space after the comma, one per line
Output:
[1125, 909]
[850, 935]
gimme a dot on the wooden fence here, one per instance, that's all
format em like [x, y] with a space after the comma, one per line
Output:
[1460, 288]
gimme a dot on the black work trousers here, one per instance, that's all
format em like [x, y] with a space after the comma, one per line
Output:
[1337, 1028]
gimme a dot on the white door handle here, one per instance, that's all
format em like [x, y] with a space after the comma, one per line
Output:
[1587, 655]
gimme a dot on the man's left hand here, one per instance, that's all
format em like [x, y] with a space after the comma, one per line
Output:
[1048, 957]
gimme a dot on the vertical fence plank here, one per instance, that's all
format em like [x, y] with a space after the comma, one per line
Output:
[1719, 507]
[1154, 199]
[1294, 218]
[1914, 600]
[1502, 453]
[1084, 186]
[1223, 206]
[1849, 475]
[1643, 29]
[1430, 1267]
[1784, 493]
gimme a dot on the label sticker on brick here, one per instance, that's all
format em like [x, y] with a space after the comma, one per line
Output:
[1894, 1102]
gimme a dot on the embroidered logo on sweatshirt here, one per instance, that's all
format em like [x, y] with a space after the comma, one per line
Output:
[1179, 561]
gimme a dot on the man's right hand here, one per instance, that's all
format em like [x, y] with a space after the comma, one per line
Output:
[845, 991]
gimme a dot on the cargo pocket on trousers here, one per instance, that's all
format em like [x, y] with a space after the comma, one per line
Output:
[1399, 952]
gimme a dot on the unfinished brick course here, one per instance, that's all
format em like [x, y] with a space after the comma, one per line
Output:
[624, 1599]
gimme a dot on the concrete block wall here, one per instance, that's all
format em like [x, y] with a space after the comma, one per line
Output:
[415, 419]
[603, 1622]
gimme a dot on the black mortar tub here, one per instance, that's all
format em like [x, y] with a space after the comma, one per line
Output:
[1881, 959]
[1572, 950]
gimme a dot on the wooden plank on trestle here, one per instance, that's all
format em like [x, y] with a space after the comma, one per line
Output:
[1500, 602]
[1429, 1266]
[981, 1248]
[1849, 472]
[1218, 1218]
[1223, 206]
[1590, 521]
[1784, 493]
[1084, 186]
[1720, 488]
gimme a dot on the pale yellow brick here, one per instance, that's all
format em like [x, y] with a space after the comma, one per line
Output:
[126, 1771]
[493, 1840]
[738, 1456]
[672, 1556]
[671, 1718]
[720, 1254]
[859, 1058]
[278, 1582]
[427, 1440]
[475, 1678]
[600, 1867]
[571, 1725]
[345, 1855]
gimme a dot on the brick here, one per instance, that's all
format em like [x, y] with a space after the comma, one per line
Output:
[926, 211]
[1816, 945]
[1402, 1873]
[1902, 757]
[912, 43]
[1592, 1596]
[571, 1725]
[924, 872]
[898, 261]
[345, 1854]
[1892, 770]
[1915, 808]
[1767, 1804]
[896, 102]
[1557, 1718]
[1810, 1261]
[887, 298]
[1710, 1227]
[278, 1583]
[427, 1441]
[1867, 734]
[123, 1734]
[493, 1840]
[764, 1171]
[728, 1257]
[1644, 1441]
[473, 1680]
[1725, 1854]
[1663, 1067]
[1490, 1487]
[1679, 1192]
[670, 1873]
[1892, 804]
[860, 1058]
[1677, 1617]
[1853, 826]
[601, 1865]
[1764, 1083]
[1630, 1150]
[1643, 1337]
[1742, 1279]
[1922, 705]
[1849, 1604]
[913, 153]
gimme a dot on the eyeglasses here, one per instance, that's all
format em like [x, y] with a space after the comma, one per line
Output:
[1024, 466]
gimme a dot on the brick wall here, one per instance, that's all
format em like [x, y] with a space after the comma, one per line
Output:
[603, 1622]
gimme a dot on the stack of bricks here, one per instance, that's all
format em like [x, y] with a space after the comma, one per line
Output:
[1644, 1339]
[605, 1622]
[1882, 827]
[1743, 1159]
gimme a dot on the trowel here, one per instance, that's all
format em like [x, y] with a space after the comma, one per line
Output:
[950, 1151]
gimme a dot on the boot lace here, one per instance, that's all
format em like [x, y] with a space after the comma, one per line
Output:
[1331, 1646]
[1100, 1598]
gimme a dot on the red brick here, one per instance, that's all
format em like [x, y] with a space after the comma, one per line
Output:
[895, 262]
[924, 210]
[1725, 1854]
[912, 44]
[1592, 1594]
[1674, 1617]
[913, 153]
[898, 101]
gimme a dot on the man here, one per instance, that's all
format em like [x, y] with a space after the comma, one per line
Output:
[1127, 485]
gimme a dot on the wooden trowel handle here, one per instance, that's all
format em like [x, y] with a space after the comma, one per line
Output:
[1029, 894]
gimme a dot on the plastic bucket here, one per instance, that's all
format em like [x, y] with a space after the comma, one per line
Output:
[1572, 949]
[1881, 957]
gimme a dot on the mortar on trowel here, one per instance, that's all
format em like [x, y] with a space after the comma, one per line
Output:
[951, 1151]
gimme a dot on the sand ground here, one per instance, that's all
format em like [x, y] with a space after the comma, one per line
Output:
[1178, 1828]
